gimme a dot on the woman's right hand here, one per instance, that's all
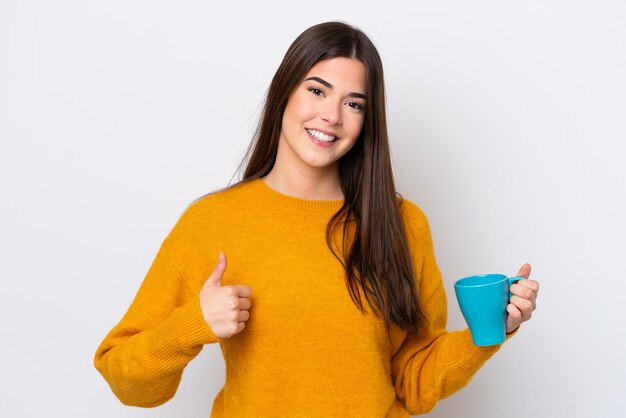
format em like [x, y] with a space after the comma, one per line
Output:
[225, 308]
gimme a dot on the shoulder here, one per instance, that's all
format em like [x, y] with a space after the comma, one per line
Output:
[212, 210]
[232, 195]
[416, 223]
[412, 214]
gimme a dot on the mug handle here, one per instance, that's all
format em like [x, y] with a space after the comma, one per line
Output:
[512, 280]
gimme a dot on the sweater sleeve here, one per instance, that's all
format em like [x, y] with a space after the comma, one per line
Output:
[142, 358]
[435, 363]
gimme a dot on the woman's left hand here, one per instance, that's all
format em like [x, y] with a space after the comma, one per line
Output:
[523, 300]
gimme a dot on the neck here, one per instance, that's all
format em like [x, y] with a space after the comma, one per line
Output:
[313, 186]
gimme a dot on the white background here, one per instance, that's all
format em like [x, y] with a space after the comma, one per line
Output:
[507, 128]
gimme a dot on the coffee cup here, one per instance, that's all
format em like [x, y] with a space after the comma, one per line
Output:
[483, 299]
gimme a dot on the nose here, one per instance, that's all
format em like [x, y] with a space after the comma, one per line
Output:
[331, 113]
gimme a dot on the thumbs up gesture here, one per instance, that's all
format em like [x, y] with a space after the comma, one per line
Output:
[225, 308]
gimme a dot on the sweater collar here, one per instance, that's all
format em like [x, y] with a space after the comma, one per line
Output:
[274, 197]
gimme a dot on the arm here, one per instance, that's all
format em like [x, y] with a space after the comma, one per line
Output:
[435, 363]
[143, 356]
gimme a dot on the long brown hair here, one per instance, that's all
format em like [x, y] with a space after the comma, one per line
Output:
[377, 261]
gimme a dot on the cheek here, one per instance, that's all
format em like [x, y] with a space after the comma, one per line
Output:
[353, 131]
[355, 126]
[297, 110]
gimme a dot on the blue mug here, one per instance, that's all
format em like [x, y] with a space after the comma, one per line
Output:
[483, 300]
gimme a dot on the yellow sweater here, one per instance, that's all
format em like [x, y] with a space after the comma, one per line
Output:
[307, 350]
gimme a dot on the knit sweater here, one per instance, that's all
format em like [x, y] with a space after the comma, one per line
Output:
[307, 350]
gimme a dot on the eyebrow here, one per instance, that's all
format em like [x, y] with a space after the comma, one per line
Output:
[330, 86]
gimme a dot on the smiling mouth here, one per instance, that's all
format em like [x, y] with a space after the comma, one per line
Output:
[321, 136]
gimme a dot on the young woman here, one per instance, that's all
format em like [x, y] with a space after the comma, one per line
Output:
[331, 304]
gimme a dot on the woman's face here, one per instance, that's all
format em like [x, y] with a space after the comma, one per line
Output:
[323, 117]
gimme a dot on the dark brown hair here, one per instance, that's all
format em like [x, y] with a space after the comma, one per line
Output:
[377, 258]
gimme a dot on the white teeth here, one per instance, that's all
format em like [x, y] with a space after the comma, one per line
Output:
[321, 136]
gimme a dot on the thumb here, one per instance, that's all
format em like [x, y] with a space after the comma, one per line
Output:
[524, 271]
[218, 271]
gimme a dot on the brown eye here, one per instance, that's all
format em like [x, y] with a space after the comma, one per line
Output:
[316, 91]
[356, 106]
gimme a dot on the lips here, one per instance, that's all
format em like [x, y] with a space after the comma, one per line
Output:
[321, 136]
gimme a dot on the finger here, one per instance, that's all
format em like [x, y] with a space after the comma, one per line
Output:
[530, 284]
[524, 271]
[244, 303]
[525, 290]
[525, 306]
[514, 317]
[243, 291]
[218, 271]
[244, 315]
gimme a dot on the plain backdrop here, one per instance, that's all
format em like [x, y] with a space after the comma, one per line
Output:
[507, 125]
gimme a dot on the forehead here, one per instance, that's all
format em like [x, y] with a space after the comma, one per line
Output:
[341, 72]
